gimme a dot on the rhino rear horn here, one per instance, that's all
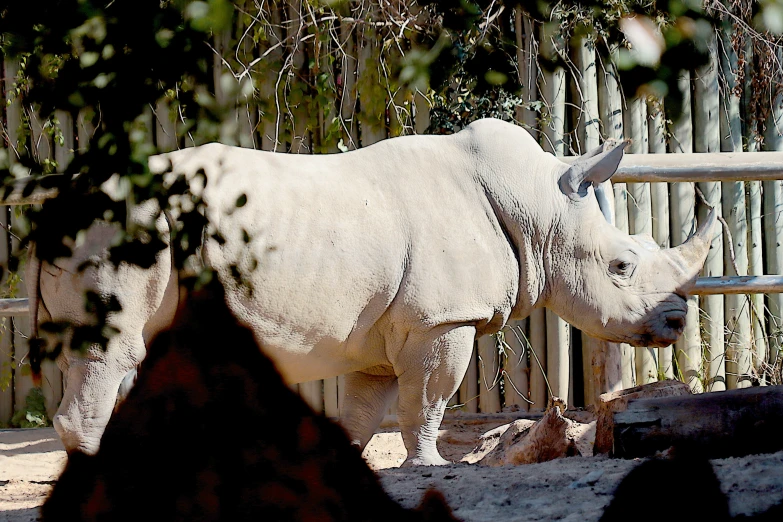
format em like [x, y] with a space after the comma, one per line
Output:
[592, 168]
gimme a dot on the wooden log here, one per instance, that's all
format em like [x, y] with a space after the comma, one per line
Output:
[659, 200]
[489, 375]
[617, 401]
[683, 221]
[731, 423]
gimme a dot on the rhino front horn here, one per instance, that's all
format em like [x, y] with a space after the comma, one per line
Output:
[692, 254]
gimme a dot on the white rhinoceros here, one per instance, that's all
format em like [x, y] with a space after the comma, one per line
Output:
[382, 264]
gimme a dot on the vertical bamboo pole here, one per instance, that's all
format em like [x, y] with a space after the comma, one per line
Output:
[527, 53]
[758, 350]
[6, 359]
[165, 127]
[750, 360]
[327, 142]
[597, 355]
[552, 88]
[610, 104]
[734, 211]
[489, 375]
[773, 228]
[349, 67]
[558, 336]
[298, 92]
[604, 359]
[553, 93]
[683, 222]
[516, 366]
[738, 313]
[706, 132]
[271, 82]
[640, 219]
[538, 361]
[469, 389]
[371, 93]
[659, 199]
[247, 112]
[518, 378]
[9, 354]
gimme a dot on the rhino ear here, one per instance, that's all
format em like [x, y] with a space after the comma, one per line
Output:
[592, 168]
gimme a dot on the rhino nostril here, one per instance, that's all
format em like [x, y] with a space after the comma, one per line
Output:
[675, 322]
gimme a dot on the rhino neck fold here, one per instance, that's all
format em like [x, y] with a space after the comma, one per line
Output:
[523, 237]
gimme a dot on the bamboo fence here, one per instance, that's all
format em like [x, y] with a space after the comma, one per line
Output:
[332, 92]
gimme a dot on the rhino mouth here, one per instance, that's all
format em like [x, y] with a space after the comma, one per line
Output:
[667, 326]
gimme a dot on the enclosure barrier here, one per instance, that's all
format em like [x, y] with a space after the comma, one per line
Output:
[331, 90]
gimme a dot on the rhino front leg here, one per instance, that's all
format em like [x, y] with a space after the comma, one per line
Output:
[367, 397]
[429, 373]
[90, 395]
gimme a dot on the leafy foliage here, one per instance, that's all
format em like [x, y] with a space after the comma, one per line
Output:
[34, 413]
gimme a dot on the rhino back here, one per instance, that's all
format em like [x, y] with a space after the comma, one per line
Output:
[342, 246]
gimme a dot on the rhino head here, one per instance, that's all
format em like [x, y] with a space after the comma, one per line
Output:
[615, 286]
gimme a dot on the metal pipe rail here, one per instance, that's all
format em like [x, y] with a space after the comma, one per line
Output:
[699, 166]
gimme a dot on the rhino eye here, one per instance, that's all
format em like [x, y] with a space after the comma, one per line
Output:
[622, 267]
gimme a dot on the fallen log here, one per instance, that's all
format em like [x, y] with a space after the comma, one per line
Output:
[613, 402]
[721, 424]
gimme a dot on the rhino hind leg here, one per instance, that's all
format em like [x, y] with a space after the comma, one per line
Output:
[367, 397]
[430, 372]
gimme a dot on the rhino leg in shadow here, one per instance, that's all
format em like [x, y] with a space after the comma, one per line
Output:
[211, 432]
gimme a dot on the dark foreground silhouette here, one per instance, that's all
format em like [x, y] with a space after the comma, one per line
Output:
[692, 480]
[210, 432]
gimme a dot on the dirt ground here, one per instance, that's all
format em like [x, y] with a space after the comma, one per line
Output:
[572, 489]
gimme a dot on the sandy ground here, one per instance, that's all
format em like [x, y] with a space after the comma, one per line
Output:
[573, 489]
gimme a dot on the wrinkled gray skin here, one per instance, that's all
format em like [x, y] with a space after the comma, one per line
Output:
[383, 264]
